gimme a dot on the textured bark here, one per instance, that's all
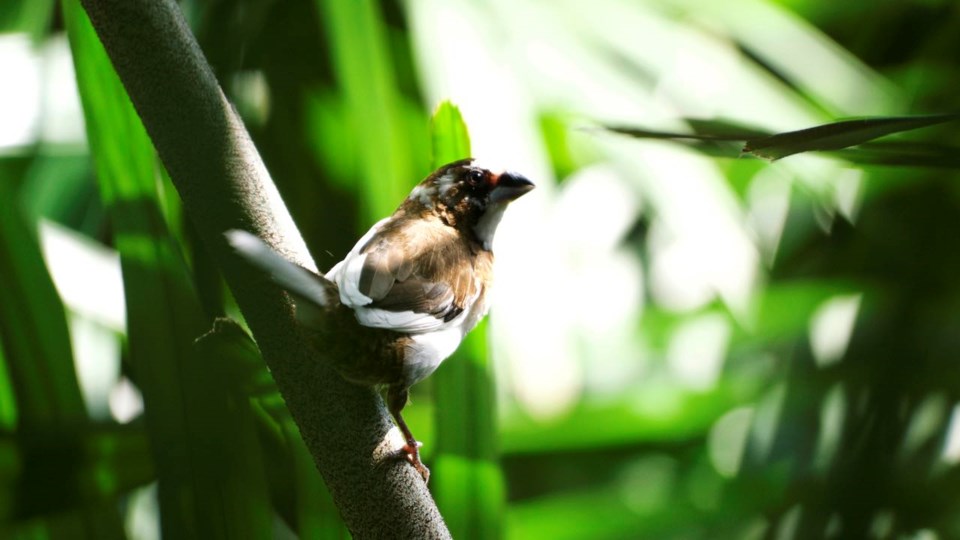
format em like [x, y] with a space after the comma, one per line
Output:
[224, 185]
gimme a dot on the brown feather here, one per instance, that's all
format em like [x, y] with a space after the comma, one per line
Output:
[420, 265]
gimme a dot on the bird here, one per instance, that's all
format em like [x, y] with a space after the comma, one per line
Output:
[412, 287]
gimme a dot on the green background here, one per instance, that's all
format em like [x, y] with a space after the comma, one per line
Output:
[686, 341]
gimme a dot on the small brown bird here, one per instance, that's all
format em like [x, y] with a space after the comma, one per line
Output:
[410, 289]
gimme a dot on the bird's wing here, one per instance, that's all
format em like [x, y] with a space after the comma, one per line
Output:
[416, 278]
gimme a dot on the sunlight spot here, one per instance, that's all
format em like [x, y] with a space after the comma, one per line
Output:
[660, 398]
[599, 192]
[126, 401]
[951, 446]
[789, 522]
[699, 76]
[927, 421]
[769, 204]
[847, 187]
[728, 440]
[831, 327]
[700, 247]
[391, 443]
[675, 272]
[647, 483]
[547, 391]
[834, 526]
[96, 352]
[805, 56]
[832, 411]
[882, 524]
[62, 120]
[20, 91]
[697, 350]
[87, 275]
[142, 518]
[766, 419]
[251, 92]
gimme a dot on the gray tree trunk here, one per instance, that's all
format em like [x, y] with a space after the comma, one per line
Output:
[224, 185]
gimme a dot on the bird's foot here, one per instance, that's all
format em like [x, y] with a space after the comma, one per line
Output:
[396, 399]
[411, 452]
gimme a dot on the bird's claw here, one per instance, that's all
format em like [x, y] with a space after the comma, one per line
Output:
[411, 452]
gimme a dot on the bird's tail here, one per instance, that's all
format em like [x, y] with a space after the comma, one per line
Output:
[313, 294]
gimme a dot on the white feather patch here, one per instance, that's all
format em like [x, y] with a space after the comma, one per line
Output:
[445, 182]
[420, 323]
[427, 351]
[349, 282]
[346, 273]
[401, 321]
[424, 195]
[486, 228]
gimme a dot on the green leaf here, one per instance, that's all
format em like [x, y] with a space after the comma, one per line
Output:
[298, 492]
[448, 134]
[73, 467]
[838, 135]
[186, 410]
[363, 69]
[467, 481]
[296, 489]
[848, 140]
[567, 155]
[30, 16]
[33, 329]
[715, 138]
[230, 486]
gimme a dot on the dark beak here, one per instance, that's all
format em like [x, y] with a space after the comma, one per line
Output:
[509, 186]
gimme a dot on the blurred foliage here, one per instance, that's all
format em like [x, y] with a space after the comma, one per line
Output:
[467, 481]
[818, 400]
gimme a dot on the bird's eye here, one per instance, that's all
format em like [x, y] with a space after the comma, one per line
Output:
[474, 176]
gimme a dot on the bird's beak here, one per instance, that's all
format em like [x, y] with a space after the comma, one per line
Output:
[509, 186]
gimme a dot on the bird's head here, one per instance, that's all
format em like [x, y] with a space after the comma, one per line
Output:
[468, 197]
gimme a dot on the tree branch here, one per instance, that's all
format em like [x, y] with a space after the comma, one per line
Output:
[224, 185]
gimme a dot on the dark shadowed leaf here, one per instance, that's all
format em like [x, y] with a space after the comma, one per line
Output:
[225, 451]
[201, 437]
[30, 16]
[33, 328]
[715, 138]
[848, 140]
[293, 484]
[838, 135]
[73, 467]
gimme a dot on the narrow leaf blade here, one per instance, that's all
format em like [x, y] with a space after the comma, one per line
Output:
[467, 481]
[838, 135]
